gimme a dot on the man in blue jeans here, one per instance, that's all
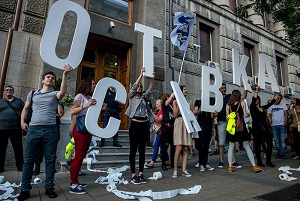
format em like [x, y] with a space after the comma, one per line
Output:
[278, 119]
[42, 129]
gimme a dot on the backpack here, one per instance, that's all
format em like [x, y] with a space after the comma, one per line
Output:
[239, 127]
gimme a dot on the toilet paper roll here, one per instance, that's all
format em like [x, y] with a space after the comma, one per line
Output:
[111, 187]
[283, 176]
[37, 180]
[1, 179]
[157, 175]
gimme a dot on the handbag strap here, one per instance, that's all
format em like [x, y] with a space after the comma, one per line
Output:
[32, 92]
[9, 104]
[296, 115]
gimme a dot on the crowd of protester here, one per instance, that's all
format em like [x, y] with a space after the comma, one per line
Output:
[260, 123]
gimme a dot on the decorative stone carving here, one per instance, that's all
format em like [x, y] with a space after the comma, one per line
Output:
[32, 24]
[36, 7]
[8, 5]
[6, 20]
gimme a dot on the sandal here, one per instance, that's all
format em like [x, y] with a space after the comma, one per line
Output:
[231, 169]
[296, 158]
[256, 169]
[150, 165]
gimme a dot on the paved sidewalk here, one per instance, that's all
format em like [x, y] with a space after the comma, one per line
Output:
[243, 184]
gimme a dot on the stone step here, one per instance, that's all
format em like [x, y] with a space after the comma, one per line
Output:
[105, 164]
[117, 156]
[112, 149]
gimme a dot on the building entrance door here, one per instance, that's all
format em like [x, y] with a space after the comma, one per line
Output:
[106, 58]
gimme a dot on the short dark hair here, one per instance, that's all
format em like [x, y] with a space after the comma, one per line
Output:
[223, 84]
[280, 95]
[9, 86]
[49, 73]
[85, 87]
[181, 87]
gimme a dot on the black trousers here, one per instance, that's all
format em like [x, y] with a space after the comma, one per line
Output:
[296, 136]
[167, 137]
[15, 136]
[138, 134]
[262, 134]
[202, 145]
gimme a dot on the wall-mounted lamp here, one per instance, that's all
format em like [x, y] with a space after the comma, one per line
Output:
[111, 25]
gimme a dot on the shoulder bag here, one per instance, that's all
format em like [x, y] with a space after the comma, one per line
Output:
[80, 125]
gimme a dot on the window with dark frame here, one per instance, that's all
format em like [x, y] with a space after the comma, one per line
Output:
[248, 51]
[279, 63]
[116, 9]
[232, 5]
[205, 43]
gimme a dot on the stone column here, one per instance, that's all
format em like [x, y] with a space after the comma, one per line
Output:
[277, 28]
[254, 17]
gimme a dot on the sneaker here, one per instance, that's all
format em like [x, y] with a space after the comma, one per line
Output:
[77, 190]
[175, 174]
[221, 164]
[283, 157]
[209, 168]
[135, 180]
[142, 179]
[202, 169]
[82, 185]
[50, 192]
[236, 165]
[197, 165]
[186, 173]
[23, 195]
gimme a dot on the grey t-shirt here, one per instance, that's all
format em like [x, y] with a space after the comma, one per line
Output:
[44, 106]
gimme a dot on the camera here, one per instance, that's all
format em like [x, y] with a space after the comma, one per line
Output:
[112, 25]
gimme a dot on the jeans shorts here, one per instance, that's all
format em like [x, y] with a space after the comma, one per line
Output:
[221, 129]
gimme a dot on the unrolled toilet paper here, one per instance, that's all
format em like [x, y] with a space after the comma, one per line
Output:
[286, 177]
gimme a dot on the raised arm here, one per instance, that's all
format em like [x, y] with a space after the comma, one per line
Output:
[134, 87]
[63, 86]
[175, 109]
[170, 99]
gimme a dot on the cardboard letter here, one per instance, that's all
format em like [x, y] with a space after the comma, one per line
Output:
[207, 88]
[189, 119]
[148, 57]
[239, 69]
[52, 29]
[265, 65]
[91, 120]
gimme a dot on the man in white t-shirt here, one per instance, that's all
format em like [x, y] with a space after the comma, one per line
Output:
[278, 118]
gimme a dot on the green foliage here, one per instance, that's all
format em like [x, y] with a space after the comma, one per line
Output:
[57, 84]
[67, 100]
[285, 11]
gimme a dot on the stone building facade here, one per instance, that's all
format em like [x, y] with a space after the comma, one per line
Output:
[118, 52]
